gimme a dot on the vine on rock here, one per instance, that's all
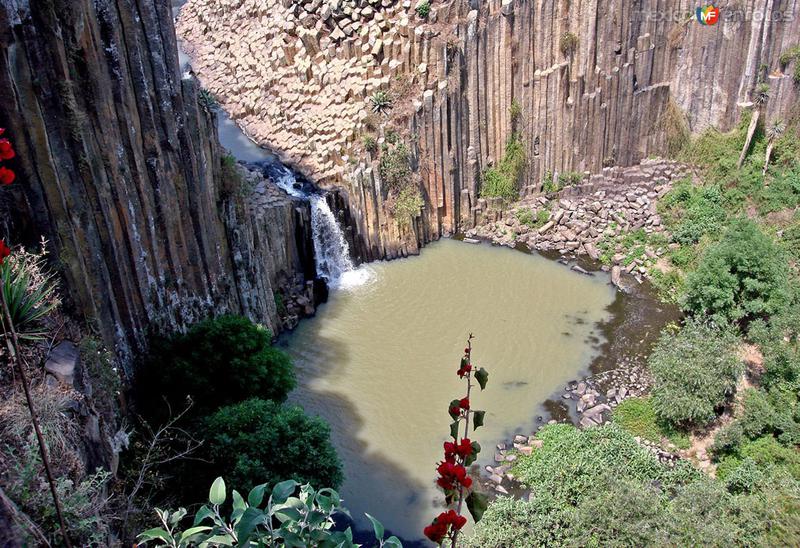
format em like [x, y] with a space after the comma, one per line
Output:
[459, 454]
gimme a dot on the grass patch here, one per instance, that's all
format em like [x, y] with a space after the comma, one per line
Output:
[502, 180]
[637, 417]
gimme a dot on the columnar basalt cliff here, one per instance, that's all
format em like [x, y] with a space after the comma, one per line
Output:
[591, 81]
[120, 169]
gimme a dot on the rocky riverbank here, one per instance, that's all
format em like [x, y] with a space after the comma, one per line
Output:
[611, 217]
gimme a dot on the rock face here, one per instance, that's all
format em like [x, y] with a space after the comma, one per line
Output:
[120, 168]
[592, 84]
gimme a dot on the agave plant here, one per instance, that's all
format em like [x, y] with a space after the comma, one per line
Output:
[774, 132]
[29, 292]
[381, 102]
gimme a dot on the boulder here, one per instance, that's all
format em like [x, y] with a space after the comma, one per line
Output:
[62, 361]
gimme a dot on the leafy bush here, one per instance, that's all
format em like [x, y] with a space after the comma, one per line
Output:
[217, 362]
[548, 184]
[423, 8]
[370, 144]
[568, 43]
[258, 441]
[569, 178]
[29, 291]
[502, 180]
[743, 277]
[515, 523]
[638, 417]
[395, 167]
[572, 461]
[691, 212]
[289, 518]
[694, 371]
[407, 206]
[526, 217]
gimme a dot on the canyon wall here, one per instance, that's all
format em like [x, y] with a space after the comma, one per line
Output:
[603, 104]
[119, 167]
[300, 75]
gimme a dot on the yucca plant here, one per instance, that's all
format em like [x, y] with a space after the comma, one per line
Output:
[774, 132]
[381, 102]
[29, 291]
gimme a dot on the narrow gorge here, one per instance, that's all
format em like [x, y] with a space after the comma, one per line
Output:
[244, 242]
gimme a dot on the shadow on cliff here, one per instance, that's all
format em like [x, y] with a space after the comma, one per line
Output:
[373, 483]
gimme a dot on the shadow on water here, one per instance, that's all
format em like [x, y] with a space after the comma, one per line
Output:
[375, 477]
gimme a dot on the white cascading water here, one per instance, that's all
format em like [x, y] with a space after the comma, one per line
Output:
[331, 252]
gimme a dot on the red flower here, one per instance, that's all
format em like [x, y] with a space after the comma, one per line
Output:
[450, 452]
[452, 518]
[463, 403]
[464, 448]
[455, 410]
[2, 130]
[466, 368]
[436, 532]
[4, 251]
[6, 150]
[466, 350]
[450, 474]
[6, 176]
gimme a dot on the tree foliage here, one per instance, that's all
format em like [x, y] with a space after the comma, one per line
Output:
[259, 441]
[694, 371]
[217, 362]
[742, 277]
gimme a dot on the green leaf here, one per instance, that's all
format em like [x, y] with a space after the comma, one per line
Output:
[155, 533]
[177, 516]
[203, 513]
[453, 405]
[392, 542]
[192, 531]
[477, 503]
[477, 419]
[256, 496]
[252, 518]
[283, 491]
[216, 495]
[238, 501]
[217, 540]
[454, 429]
[377, 526]
[482, 376]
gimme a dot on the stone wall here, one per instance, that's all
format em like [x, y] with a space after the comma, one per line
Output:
[119, 167]
[456, 74]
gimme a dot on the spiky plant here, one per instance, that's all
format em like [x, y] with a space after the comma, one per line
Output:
[29, 291]
[774, 132]
[762, 95]
[381, 102]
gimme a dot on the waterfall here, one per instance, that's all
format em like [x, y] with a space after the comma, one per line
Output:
[331, 252]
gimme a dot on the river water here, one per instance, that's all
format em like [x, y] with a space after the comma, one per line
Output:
[378, 361]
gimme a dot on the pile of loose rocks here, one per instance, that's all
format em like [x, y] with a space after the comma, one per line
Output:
[587, 219]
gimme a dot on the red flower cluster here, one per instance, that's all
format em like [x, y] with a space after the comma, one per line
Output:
[437, 530]
[5, 251]
[451, 450]
[6, 150]
[6, 176]
[464, 370]
[463, 403]
[451, 474]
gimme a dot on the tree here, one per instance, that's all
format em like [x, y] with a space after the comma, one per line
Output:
[217, 362]
[259, 441]
[760, 99]
[742, 277]
[694, 371]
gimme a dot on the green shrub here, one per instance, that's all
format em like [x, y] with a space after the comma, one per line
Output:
[741, 278]
[502, 180]
[569, 178]
[548, 184]
[207, 100]
[423, 8]
[381, 102]
[217, 362]
[407, 206]
[395, 167]
[514, 523]
[259, 441]
[370, 144]
[638, 417]
[691, 212]
[694, 371]
[526, 217]
[568, 43]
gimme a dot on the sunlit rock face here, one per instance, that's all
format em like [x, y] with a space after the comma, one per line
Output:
[120, 168]
[299, 74]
